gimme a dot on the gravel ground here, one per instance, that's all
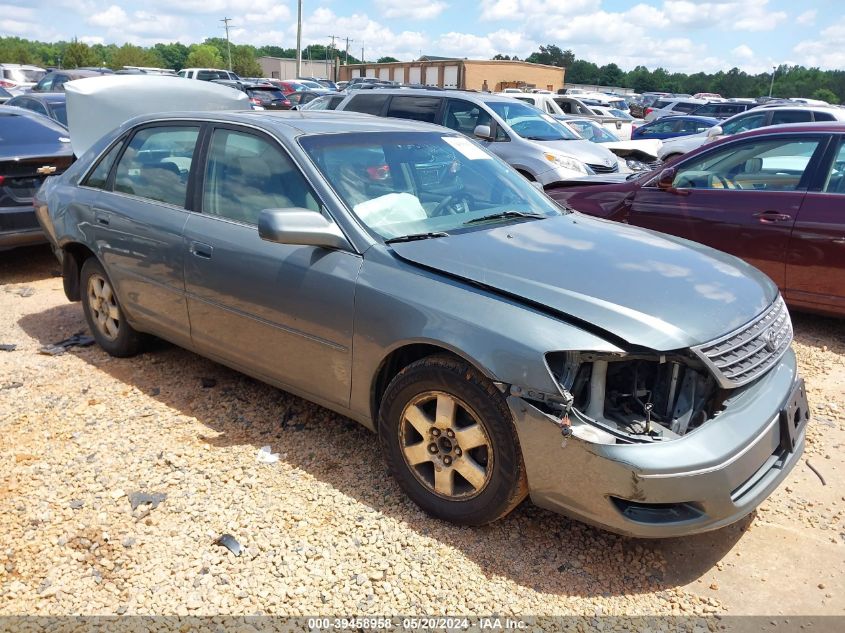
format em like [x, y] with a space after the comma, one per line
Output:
[325, 530]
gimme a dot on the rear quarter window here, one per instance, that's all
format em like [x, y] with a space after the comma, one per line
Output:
[823, 116]
[415, 108]
[367, 103]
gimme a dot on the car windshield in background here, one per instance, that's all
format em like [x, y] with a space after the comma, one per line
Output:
[416, 183]
[59, 111]
[530, 123]
[29, 130]
[266, 94]
[593, 132]
[621, 114]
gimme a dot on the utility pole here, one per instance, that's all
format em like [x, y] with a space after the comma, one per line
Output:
[299, 39]
[346, 61]
[330, 54]
[225, 22]
[362, 52]
[772, 85]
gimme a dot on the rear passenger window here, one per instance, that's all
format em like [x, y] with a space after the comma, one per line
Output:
[246, 174]
[367, 104]
[686, 108]
[156, 164]
[415, 108]
[100, 176]
[791, 116]
[823, 116]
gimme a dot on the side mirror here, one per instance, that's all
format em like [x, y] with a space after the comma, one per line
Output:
[299, 227]
[666, 179]
[483, 132]
[715, 132]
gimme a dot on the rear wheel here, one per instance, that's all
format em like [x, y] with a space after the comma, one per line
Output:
[103, 313]
[450, 442]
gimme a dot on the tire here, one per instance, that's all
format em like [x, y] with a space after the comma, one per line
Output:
[466, 467]
[103, 313]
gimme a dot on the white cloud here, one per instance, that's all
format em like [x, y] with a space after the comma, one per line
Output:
[491, 10]
[423, 11]
[808, 18]
[827, 50]
[92, 39]
[743, 52]
[113, 17]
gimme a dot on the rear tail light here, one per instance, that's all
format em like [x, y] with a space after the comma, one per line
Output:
[2, 180]
[255, 101]
[649, 111]
[7, 84]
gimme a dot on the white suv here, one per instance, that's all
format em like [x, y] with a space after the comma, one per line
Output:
[20, 76]
[669, 106]
[749, 120]
[208, 74]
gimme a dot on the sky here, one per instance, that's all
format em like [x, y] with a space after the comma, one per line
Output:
[679, 35]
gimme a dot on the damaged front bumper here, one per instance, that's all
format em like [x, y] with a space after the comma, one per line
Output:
[702, 481]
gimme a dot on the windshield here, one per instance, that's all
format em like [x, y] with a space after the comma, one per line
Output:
[530, 123]
[406, 183]
[593, 132]
[59, 111]
[620, 114]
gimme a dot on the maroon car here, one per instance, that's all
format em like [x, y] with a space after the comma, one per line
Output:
[774, 197]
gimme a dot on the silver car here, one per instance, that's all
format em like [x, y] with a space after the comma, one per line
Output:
[399, 274]
[529, 140]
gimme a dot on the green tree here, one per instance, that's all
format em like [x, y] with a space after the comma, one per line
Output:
[500, 57]
[172, 55]
[130, 55]
[244, 62]
[78, 54]
[387, 59]
[825, 94]
[204, 56]
[551, 55]
[611, 75]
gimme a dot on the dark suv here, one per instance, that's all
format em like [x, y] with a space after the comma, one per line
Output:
[723, 110]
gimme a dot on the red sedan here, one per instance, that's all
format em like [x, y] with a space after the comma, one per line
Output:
[774, 197]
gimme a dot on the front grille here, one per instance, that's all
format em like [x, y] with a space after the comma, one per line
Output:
[601, 169]
[655, 164]
[750, 351]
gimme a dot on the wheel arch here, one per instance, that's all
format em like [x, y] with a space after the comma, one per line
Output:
[74, 256]
[403, 355]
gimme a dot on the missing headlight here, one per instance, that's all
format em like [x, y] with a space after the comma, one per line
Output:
[642, 397]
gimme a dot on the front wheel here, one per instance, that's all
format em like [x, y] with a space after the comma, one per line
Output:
[450, 442]
[105, 318]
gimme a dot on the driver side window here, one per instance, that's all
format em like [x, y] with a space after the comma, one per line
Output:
[464, 117]
[743, 124]
[757, 164]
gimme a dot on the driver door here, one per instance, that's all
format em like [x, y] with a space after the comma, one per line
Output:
[741, 198]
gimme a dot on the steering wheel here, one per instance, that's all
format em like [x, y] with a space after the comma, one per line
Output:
[450, 205]
[726, 184]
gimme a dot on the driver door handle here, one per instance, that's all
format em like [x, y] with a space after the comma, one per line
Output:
[199, 249]
[771, 217]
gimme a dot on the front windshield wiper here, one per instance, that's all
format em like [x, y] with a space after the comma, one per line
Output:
[413, 237]
[505, 215]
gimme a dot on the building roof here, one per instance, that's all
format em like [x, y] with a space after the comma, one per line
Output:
[435, 58]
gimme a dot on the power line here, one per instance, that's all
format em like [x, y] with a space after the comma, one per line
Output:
[225, 22]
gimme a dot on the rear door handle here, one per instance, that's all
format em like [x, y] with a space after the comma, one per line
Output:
[200, 249]
[770, 217]
[101, 217]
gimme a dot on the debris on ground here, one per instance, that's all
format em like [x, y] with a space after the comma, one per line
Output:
[22, 291]
[137, 499]
[8, 347]
[11, 385]
[230, 543]
[80, 339]
[815, 470]
[208, 383]
[266, 456]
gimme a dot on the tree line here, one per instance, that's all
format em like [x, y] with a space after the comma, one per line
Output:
[211, 53]
[790, 81]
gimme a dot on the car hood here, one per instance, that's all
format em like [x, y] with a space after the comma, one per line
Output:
[647, 288]
[583, 150]
[98, 105]
[626, 148]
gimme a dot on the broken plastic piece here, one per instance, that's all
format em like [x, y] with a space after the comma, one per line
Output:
[208, 383]
[79, 339]
[230, 543]
[266, 456]
[143, 498]
[8, 347]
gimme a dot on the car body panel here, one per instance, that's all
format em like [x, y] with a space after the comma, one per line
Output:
[530, 260]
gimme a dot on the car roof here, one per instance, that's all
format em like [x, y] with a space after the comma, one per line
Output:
[827, 127]
[687, 117]
[49, 97]
[292, 123]
[482, 97]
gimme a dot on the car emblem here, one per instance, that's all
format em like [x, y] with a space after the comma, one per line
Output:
[47, 169]
[771, 340]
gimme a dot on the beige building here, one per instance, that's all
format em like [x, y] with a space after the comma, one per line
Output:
[285, 68]
[463, 74]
